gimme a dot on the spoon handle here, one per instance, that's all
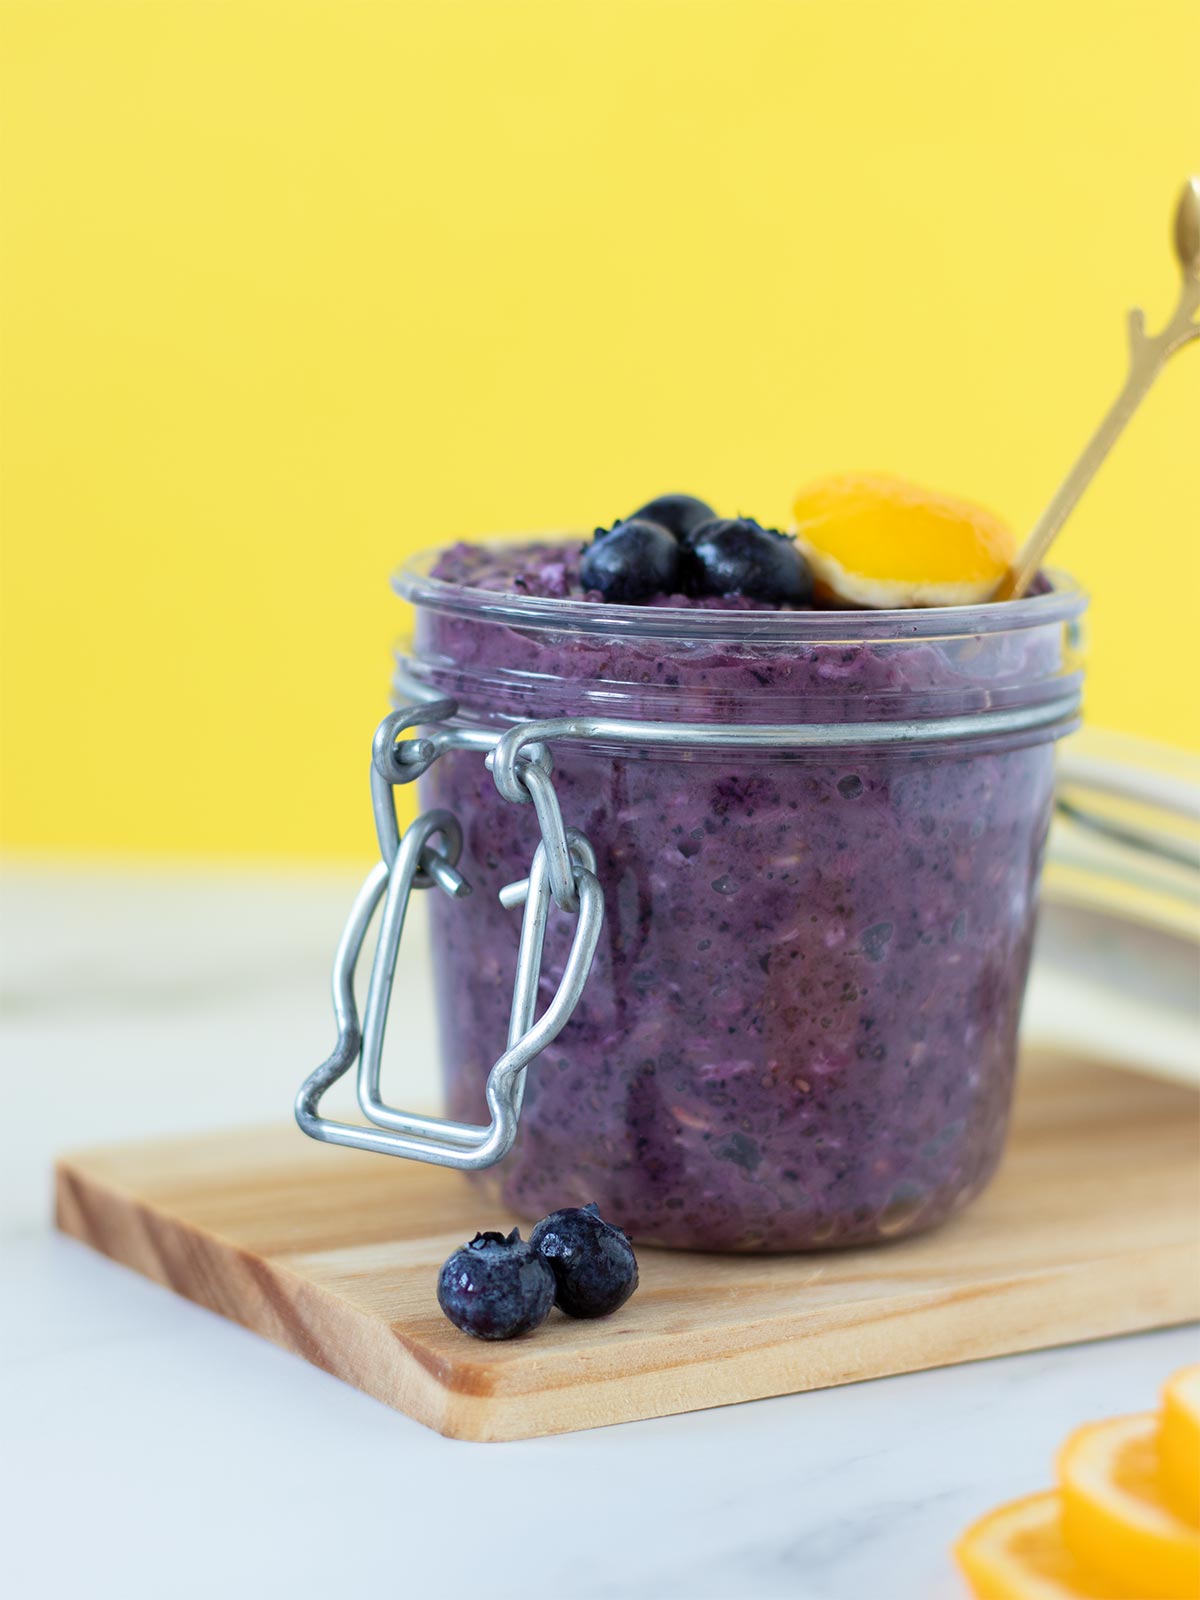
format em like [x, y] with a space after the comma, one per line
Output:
[1148, 355]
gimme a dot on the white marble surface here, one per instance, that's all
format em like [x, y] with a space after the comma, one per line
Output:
[150, 1449]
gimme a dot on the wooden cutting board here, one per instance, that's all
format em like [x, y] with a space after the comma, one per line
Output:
[1092, 1227]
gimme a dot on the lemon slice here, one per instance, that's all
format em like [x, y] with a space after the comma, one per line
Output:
[880, 542]
[1114, 1517]
[1018, 1553]
[1179, 1445]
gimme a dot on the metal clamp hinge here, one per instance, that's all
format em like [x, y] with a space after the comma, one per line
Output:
[427, 855]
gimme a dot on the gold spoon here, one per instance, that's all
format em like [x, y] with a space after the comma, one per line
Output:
[1147, 357]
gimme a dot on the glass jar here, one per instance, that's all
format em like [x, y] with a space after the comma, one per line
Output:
[800, 1027]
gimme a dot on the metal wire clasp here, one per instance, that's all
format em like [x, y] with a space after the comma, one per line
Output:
[427, 855]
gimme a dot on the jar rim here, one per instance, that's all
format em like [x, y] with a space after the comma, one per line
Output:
[414, 582]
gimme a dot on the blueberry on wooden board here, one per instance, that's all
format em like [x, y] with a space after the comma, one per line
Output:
[595, 1269]
[496, 1287]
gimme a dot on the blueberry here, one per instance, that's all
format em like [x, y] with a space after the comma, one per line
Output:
[680, 514]
[595, 1269]
[496, 1288]
[733, 555]
[631, 562]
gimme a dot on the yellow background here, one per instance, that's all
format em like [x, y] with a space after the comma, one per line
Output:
[290, 290]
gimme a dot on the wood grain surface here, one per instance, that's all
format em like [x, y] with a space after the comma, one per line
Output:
[1092, 1227]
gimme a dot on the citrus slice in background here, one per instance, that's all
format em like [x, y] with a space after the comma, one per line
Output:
[1018, 1553]
[1114, 1517]
[1179, 1445]
[877, 541]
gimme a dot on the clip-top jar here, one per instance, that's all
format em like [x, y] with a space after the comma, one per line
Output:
[800, 1027]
